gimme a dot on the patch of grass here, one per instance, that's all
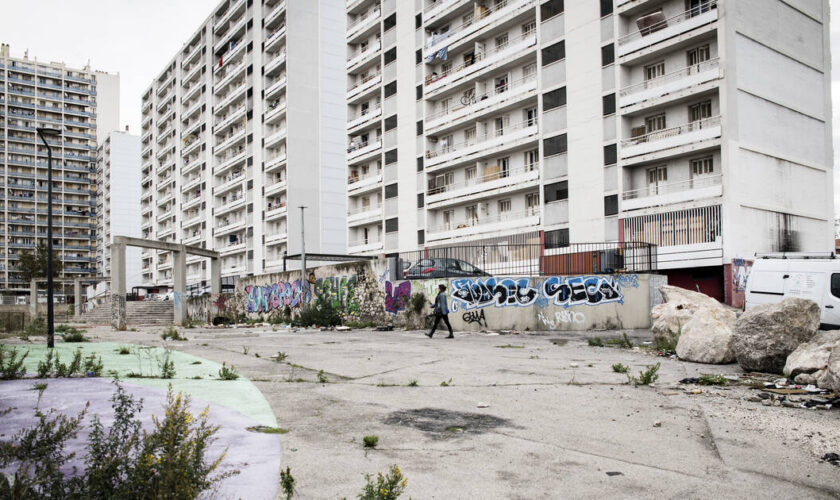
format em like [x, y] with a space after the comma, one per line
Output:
[623, 342]
[226, 373]
[172, 333]
[620, 368]
[712, 380]
[287, 483]
[196, 363]
[666, 346]
[646, 377]
[361, 324]
[387, 487]
[38, 326]
[370, 441]
[74, 336]
[412, 383]
[510, 346]
[264, 429]
[596, 342]
[197, 377]
[446, 383]
[132, 329]
[123, 350]
[322, 377]
[416, 302]
[321, 313]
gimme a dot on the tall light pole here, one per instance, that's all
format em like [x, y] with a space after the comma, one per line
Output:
[304, 278]
[43, 133]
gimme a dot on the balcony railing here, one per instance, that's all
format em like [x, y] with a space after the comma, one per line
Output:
[353, 27]
[672, 132]
[486, 219]
[670, 77]
[673, 187]
[491, 176]
[470, 100]
[364, 209]
[654, 25]
[480, 56]
[365, 242]
[478, 16]
[458, 146]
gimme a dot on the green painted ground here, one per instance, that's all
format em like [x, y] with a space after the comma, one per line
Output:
[240, 395]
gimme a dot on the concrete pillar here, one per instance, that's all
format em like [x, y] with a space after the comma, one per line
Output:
[179, 280]
[118, 286]
[215, 275]
[77, 295]
[33, 299]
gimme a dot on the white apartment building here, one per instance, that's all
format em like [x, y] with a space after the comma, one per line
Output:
[35, 94]
[701, 126]
[118, 203]
[241, 128]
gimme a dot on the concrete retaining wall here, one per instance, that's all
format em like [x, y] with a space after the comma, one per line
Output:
[362, 291]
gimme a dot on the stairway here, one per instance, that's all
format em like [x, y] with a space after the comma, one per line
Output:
[137, 313]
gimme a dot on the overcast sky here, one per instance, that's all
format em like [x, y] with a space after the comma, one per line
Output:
[136, 38]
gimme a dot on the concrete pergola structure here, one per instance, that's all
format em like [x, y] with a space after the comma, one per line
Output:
[179, 274]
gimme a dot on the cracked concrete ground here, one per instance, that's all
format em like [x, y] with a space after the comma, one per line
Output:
[523, 416]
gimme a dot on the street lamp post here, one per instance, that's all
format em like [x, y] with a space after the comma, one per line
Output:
[43, 133]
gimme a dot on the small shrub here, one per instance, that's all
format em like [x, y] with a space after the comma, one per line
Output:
[446, 383]
[596, 342]
[40, 388]
[61, 369]
[322, 377]
[388, 487]
[38, 326]
[413, 383]
[76, 363]
[623, 342]
[93, 366]
[370, 441]
[281, 356]
[123, 350]
[76, 336]
[287, 483]
[712, 380]
[666, 346]
[416, 302]
[322, 313]
[196, 363]
[620, 368]
[646, 377]
[361, 324]
[167, 367]
[45, 367]
[226, 373]
[172, 333]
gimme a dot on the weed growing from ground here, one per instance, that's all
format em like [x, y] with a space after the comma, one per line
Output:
[171, 333]
[196, 363]
[361, 324]
[245, 350]
[596, 342]
[280, 357]
[268, 430]
[287, 483]
[624, 342]
[167, 367]
[446, 383]
[321, 313]
[76, 362]
[322, 377]
[226, 373]
[38, 326]
[413, 383]
[40, 388]
[11, 366]
[93, 366]
[646, 377]
[370, 441]
[123, 350]
[620, 368]
[45, 366]
[387, 487]
[712, 380]
[510, 346]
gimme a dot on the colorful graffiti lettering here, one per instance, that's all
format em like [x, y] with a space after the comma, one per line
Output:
[474, 294]
[270, 297]
[341, 291]
[582, 290]
[396, 297]
[741, 273]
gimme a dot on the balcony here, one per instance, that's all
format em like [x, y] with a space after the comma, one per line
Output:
[223, 21]
[362, 151]
[275, 87]
[476, 106]
[672, 85]
[365, 245]
[437, 9]
[190, 144]
[493, 183]
[276, 238]
[190, 91]
[654, 29]
[495, 14]
[495, 142]
[275, 110]
[231, 98]
[226, 226]
[229, 141]
[225, 39]
[674, 192]
[191, 183]
[483, 224]
[228, 76]
[275, 162]
[361, 26]
[275, 137]
[232, 204]
[364, 87]
[364, 56]
[192, 53]
[223, 122]
[690, 134]
[364, 215]
[275, 187]
[363, 119]
[275, 62]
[230, 160]
[274, 38]
[230, 182]
[490, 59]
[275, 212]
[358, 185]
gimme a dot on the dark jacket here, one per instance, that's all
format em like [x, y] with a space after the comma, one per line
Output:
[441, 307]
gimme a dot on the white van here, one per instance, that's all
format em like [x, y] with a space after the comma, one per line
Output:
[773, 279]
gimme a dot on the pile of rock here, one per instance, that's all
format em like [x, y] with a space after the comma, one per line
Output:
[770, 338]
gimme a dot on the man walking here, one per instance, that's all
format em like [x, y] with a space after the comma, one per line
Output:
[441, 311]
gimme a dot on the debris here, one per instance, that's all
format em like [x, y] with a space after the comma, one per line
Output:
[832, 458]
[766, 402]
[483, 405]
[386, 328]
[614, 473]
[342, 328]
[690, 380]
[657, 424]
[574, 365]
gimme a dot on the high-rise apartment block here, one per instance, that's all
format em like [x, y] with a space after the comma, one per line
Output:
[118, 202]
[35, 94]
[241, 128]
[700, 126]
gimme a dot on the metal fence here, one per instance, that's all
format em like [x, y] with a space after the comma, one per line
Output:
[528, 259]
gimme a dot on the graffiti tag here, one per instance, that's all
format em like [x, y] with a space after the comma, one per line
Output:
[270, 297]
[396, 297]
[582, 290]
[475, 317]
[474, 294]
[340, 291]
[566, 316]
[741, 273]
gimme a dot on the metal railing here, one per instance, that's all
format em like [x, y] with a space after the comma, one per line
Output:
[528, 259]
[672, 132]
[677, 19]
[478, 180]
[480, 220]
[469, 99]
[434, 77]
[669, 77]
[482, 15]
[673, 187]
[505, 130]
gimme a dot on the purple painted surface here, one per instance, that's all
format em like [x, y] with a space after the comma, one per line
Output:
[255, 455]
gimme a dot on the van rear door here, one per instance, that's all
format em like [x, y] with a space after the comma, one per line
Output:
[765, 286]
[831, 302]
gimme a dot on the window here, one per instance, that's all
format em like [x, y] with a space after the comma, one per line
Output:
[700, 111]
[654, 123]
[442, 181]
[445, 104]
[390, 89]
[420, 164]
[418, 21]
[656, 177]
[608, 104]
[469, 136]
[391, 122]
[389, 22]
[529, 28]
[471, 213]
[532, 203]
[554, 53]
[420, 200]
[702, 166]
[445, 68]
[606, 7]
[499, 125]
[697, 7]
[392, 225]
[530, 117]
[504, 206]
[555, 145]
[557, 191]
[504, 167]
[391, 191]
[607, 55]
[470, 175]
[446, 143]
[501, 84]
[698, 55]
[655, 70]
[448, 218]
[559, 238]
[421, 235]
[390, 56]
[529, 71]
[611, 205]
[418, 92]
[418, 56]
[554, 99]
[467, 19]
[390, 157]
[835, 284]
[365, 203]
[551, 8]
[420, 127]
[531, 160]
[610, 154]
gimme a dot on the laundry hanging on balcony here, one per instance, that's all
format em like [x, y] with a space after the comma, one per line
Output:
[441, 54]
